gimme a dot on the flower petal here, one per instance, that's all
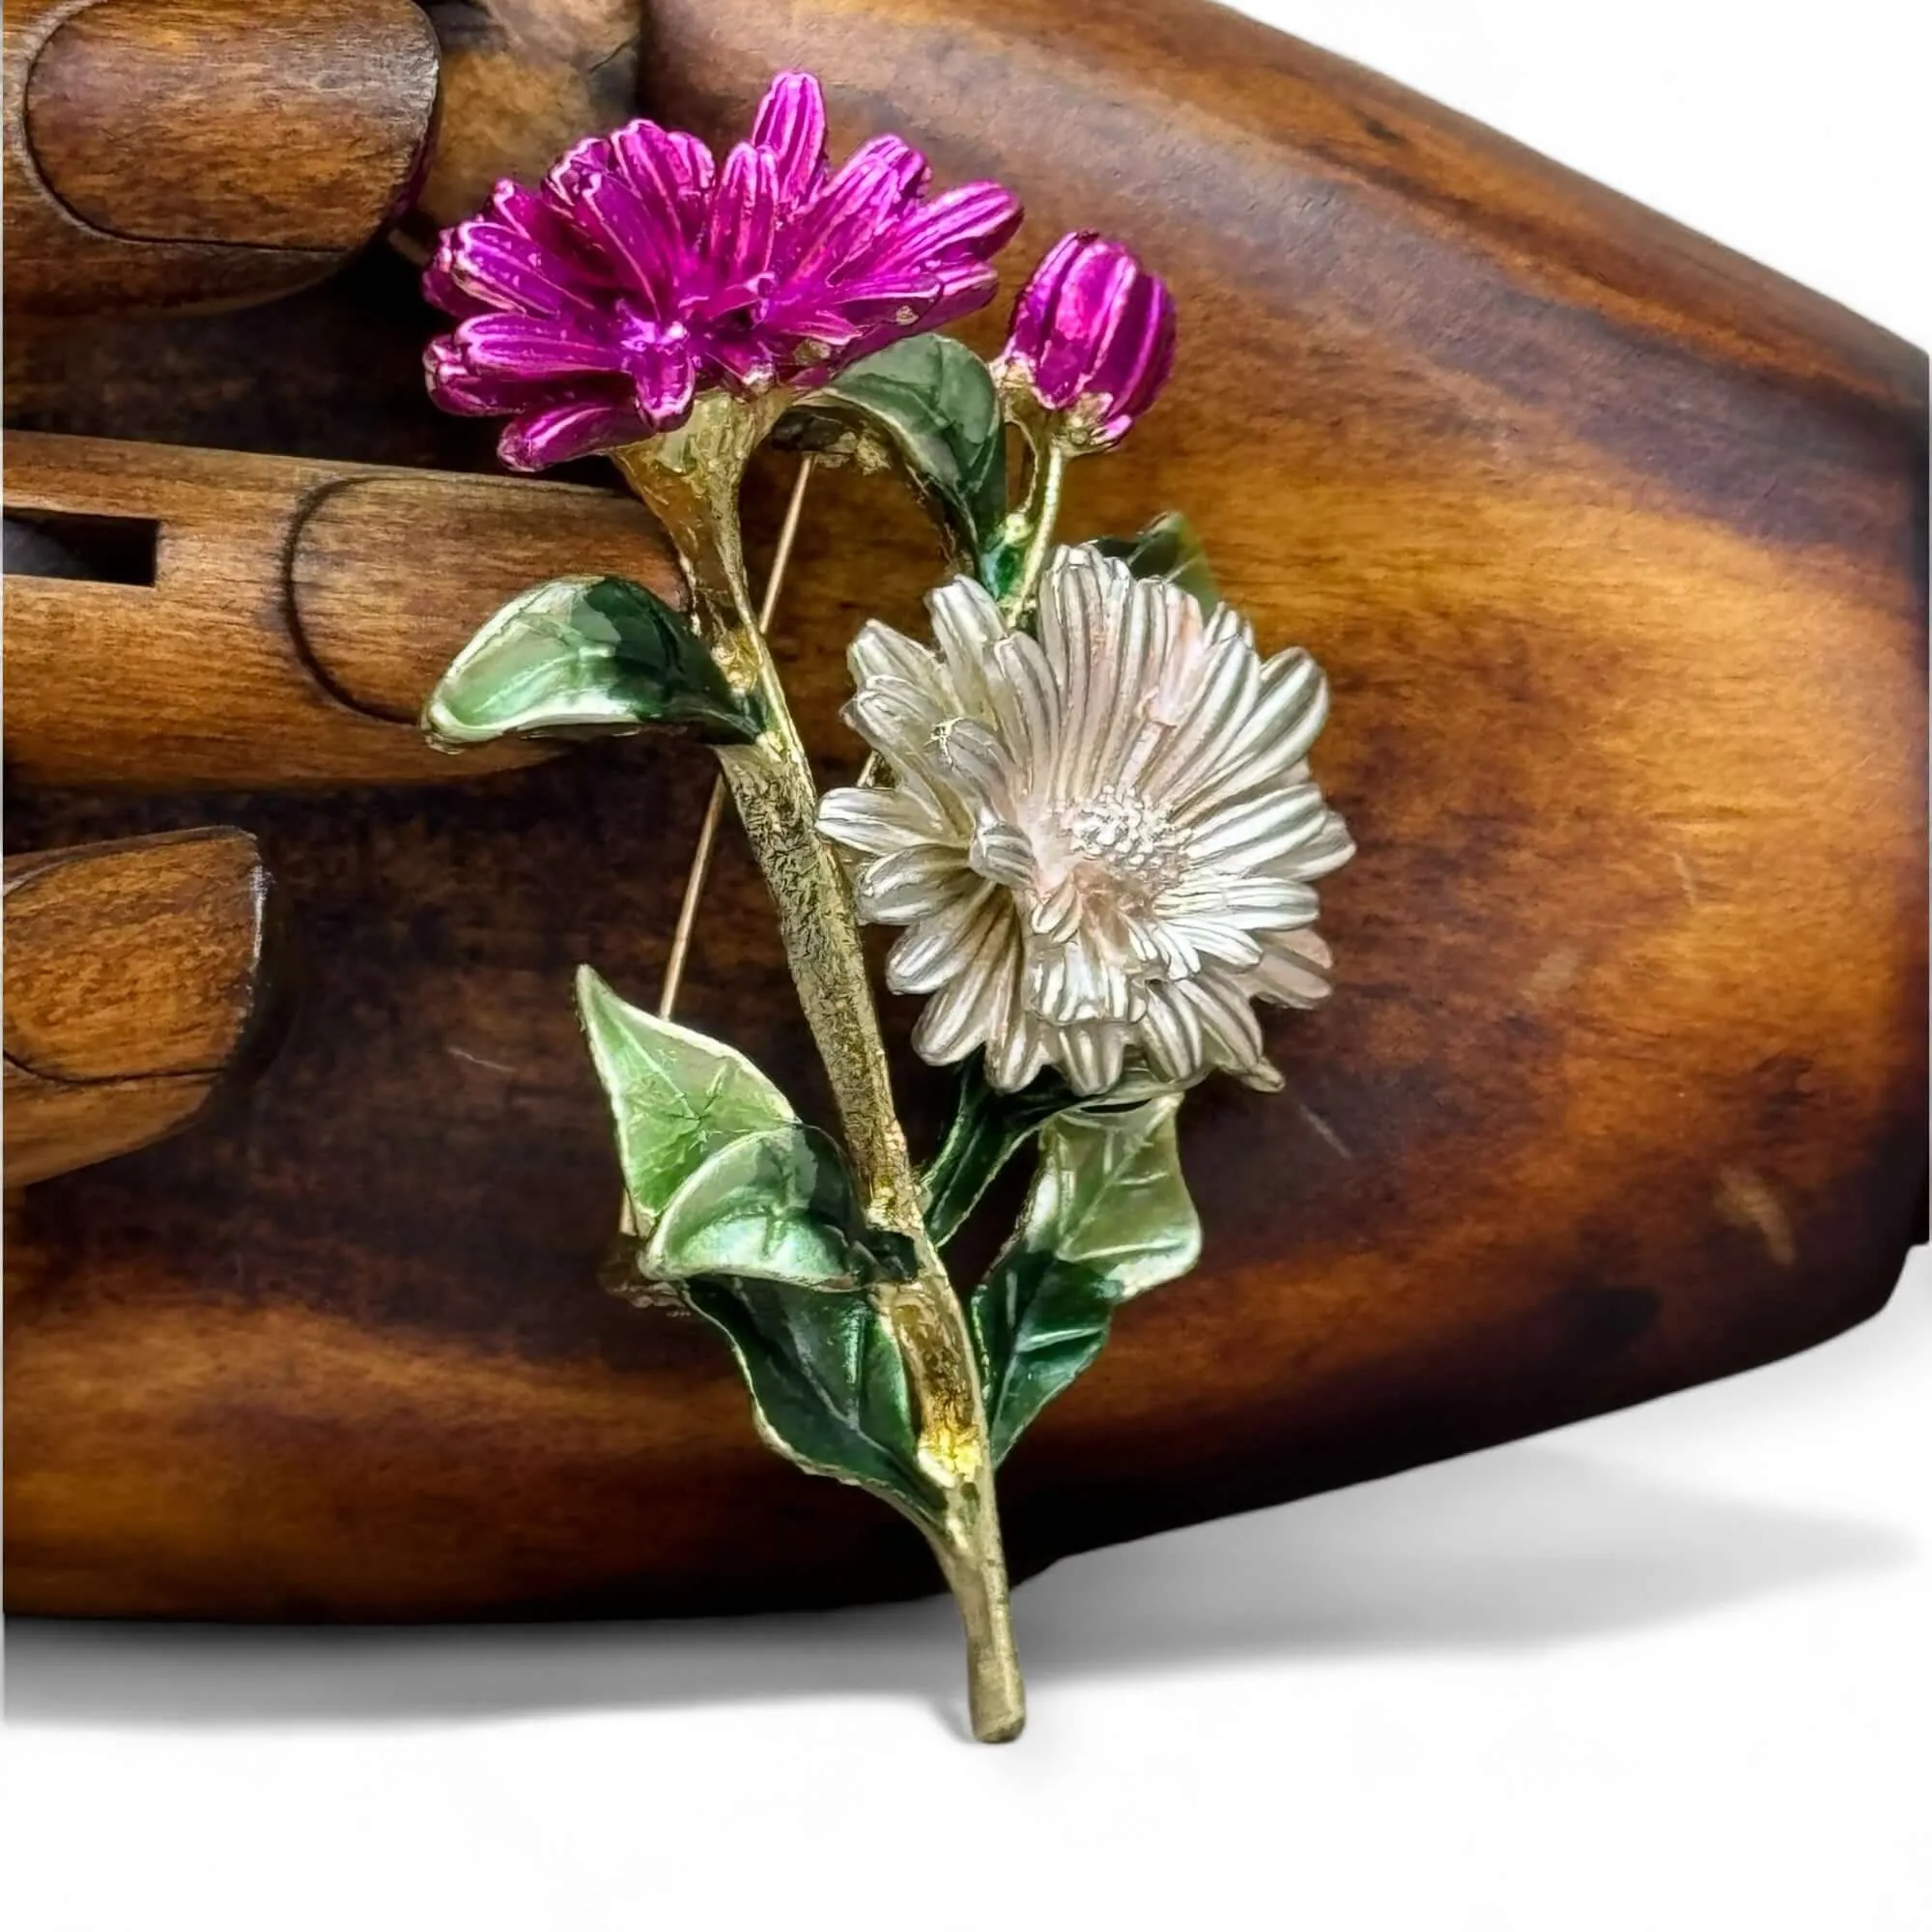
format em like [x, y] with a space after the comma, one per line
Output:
[1229, 1028]
[563, 433]
[966, 223]
[744, 217]
[929, 952]
[1091, 1056]
[1253, 830]
[846, 223]
[1170, 1035]
[1032, 310]
[955, 1020]
[1329, 846]
[877, 819]
[671, 173]
[908, 885]
[1294, 969]
[880, 651]
[455, 386]
[640, 236]
[442, 289]
[535, 347]
[790, 125]
[967, 624]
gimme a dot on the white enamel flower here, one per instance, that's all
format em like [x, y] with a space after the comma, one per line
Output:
[1101, 840]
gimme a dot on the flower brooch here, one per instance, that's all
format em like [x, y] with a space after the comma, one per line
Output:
[1088, 805]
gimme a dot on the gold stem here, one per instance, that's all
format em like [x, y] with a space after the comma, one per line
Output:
[714, 810]
[691, 482]
[1043, 512]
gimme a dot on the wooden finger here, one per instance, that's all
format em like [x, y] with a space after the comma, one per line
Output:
[139, 982]
[266, 621]
[165, 154]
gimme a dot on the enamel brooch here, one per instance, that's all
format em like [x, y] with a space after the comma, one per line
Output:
[1087, 807]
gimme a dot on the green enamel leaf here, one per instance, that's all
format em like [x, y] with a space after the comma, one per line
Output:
[676, 1097]
[988, 1129]
[776, 1206]
[927, 406]
[1168, 548]
[827, 1385]
[1108, 1218]
[582, 656]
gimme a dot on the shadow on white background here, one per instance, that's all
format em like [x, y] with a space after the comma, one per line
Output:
[1531, 1546]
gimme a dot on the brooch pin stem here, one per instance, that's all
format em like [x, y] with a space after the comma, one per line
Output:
[691, 481]
[714, 808]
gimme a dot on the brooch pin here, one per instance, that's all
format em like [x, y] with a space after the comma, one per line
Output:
[1086, 807]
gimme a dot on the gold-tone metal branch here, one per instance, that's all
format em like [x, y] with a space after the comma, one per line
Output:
[690, 480]
[714, 810]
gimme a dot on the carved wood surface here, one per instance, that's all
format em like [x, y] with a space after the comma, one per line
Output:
[138, 983]
[292, 632]
[1613, 545]
[172, 152]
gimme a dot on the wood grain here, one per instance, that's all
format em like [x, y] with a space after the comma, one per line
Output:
[138, 983]
[300, 613]
[521, 79]
[163, 154]
[1614, 547]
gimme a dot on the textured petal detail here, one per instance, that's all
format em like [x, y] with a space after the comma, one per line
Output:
[880, 651]
[1017, 1053]
[967, 624]
[973, 220]
[1293, 972]
[564, 434]
[1170, 1035]
[665, 378]
[641, 236]
[900, 719]
[442, 289]
[850, 218]
[908, 885]
[1090, 1057]
[744, 218]
[499, 269]
[671, 171]
[790, 126]
[1229, 1028]
[535, 347]
[1325, 850]
[527, 212]
[974, 764]
[1223, 940]
[457, 387]
[1002, 853]
[930, 951]
[956, 1019]
[877, 819]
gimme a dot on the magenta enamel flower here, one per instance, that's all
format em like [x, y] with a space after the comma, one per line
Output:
[1088, 808]
[593, 310]
[1092, 340]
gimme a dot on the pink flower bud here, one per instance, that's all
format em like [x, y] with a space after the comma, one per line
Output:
[1093, 338]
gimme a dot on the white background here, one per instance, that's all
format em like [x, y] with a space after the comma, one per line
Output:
[1668, 1670]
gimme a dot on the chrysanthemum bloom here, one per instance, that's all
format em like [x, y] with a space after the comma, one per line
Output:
[594, 309]
[1092, 340]
[1101, 840]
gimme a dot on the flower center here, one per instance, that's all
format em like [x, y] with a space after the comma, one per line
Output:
[1133, 843]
